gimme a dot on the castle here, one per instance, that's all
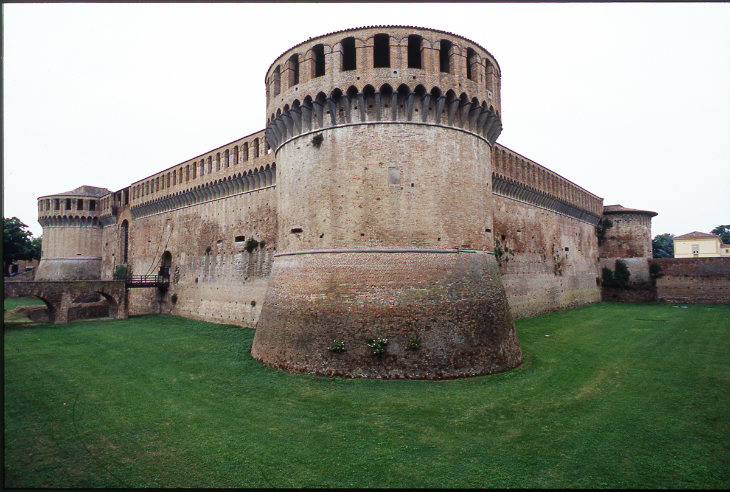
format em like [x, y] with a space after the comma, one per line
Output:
[375, 204]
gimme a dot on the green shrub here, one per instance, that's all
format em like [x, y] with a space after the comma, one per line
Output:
[251, 244]
[377, 345]
[317, 140]
[337, 346]
[122, 272]
[621, 274]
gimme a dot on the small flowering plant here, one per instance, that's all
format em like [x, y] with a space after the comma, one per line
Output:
[377, 345]
[414, 343]
[337, 346]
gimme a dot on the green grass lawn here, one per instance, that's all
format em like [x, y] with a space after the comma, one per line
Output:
[609, 395]
[9, 305]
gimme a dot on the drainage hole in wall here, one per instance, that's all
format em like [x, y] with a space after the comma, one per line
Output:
[296, 230]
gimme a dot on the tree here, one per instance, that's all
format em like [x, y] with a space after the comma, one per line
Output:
[36, 245]
[663, 246]
[723, 231]
[16, 242]
[621, 274]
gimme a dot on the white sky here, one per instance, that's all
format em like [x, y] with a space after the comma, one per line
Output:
[630, 101]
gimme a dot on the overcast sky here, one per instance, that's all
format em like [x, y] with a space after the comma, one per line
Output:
[630, 101]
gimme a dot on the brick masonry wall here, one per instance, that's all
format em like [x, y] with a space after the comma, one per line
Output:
[213, 275]
[551, 259]
[694, 280]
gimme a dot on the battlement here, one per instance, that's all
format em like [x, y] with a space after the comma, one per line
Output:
[386, 73]
[518, 177]
[246, 158]
[79, 205]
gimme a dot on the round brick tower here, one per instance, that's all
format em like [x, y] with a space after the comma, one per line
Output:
[71, 248]
[383, 139]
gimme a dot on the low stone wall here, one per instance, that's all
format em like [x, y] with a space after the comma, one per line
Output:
[694, 280]
[639, 292]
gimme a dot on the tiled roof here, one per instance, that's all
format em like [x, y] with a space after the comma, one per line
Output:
[85, 190]
[618, 209]
[695, 235]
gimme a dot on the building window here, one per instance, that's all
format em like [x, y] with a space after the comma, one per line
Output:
[381, 51]
[235, 154]
[349, 61]
[444, 55]
[79, 204]
[414, 51]
[293, 71]
[245, 151]
[471, 60]
[318, 60]
[255, 147]
[276, 81]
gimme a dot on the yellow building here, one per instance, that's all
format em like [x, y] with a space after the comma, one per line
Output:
[699, 245]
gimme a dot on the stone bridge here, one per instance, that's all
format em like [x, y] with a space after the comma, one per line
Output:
[59, 296]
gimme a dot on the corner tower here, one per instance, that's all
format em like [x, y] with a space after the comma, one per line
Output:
[383, 139]
[71, 235]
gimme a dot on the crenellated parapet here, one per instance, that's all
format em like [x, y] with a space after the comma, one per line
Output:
[244, 161]
[383, 74]
[240, 183]
[71, 234]
[515, 176]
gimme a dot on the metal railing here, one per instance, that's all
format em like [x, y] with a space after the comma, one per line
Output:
[147, 281]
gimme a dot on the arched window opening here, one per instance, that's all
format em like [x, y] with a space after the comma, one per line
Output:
[445, 55]
[293, 70]
[245, 151]
[124, 239]
[318, 60]
[217, 161]
[210, 164]
[255, 147]
[276, 80]
[414, 51]
[68, 204]
[349, 61]
[201, 166]
[56, 204]
[226, 157]
[235, 155]
[92, 205]
[381, 51]
[80, 204]
[471, 57]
